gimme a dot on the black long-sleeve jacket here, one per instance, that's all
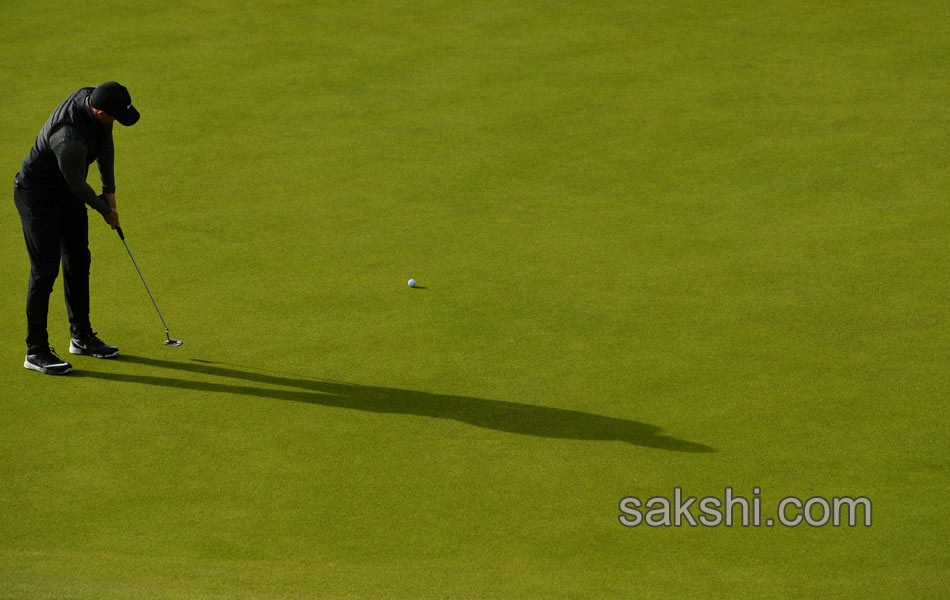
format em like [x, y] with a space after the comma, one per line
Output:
[70, 141]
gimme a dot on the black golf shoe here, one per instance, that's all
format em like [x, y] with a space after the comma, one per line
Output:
[90, 345]
[47, 362]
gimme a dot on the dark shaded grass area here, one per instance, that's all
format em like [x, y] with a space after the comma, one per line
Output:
[500, 415]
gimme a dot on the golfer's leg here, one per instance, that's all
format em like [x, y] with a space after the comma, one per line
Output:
[39, 216]
[76, 261]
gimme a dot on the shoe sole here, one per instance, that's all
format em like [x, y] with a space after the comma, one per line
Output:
[55, 371]
[84, 352]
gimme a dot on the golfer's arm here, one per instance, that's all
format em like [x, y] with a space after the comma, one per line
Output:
[106, 163]
[71, 156]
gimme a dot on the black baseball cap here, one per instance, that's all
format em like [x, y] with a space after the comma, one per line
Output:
[115, 100]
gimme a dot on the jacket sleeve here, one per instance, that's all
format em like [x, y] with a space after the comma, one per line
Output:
[106, 163]
[71, 156]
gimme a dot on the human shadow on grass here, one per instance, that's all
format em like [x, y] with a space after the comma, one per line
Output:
[500, 415]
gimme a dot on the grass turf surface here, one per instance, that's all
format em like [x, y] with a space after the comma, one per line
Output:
[663, 245]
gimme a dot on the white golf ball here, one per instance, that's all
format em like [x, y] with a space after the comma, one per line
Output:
[412, 283]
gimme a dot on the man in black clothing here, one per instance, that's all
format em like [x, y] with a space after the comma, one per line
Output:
[51, 195]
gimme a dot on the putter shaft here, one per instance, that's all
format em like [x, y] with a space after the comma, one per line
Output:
[155, 304]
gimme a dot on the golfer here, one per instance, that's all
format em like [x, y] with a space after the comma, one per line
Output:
[51, 195]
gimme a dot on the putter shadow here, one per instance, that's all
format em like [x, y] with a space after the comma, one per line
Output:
[499, 415]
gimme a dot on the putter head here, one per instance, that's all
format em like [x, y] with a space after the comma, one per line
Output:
[171, 342]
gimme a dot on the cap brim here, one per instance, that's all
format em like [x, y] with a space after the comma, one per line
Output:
[129, 117]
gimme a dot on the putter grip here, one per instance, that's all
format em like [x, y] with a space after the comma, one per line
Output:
[121, 235]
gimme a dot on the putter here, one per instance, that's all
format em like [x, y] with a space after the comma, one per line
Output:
[168, 340]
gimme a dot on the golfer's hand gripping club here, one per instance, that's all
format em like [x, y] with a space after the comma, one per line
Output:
[111, 218]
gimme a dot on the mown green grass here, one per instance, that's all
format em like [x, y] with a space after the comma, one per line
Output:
[663, 245]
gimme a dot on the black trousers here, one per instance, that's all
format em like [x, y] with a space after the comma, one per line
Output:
[56, 230]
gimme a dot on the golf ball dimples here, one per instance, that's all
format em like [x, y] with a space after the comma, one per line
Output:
[412, 283]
